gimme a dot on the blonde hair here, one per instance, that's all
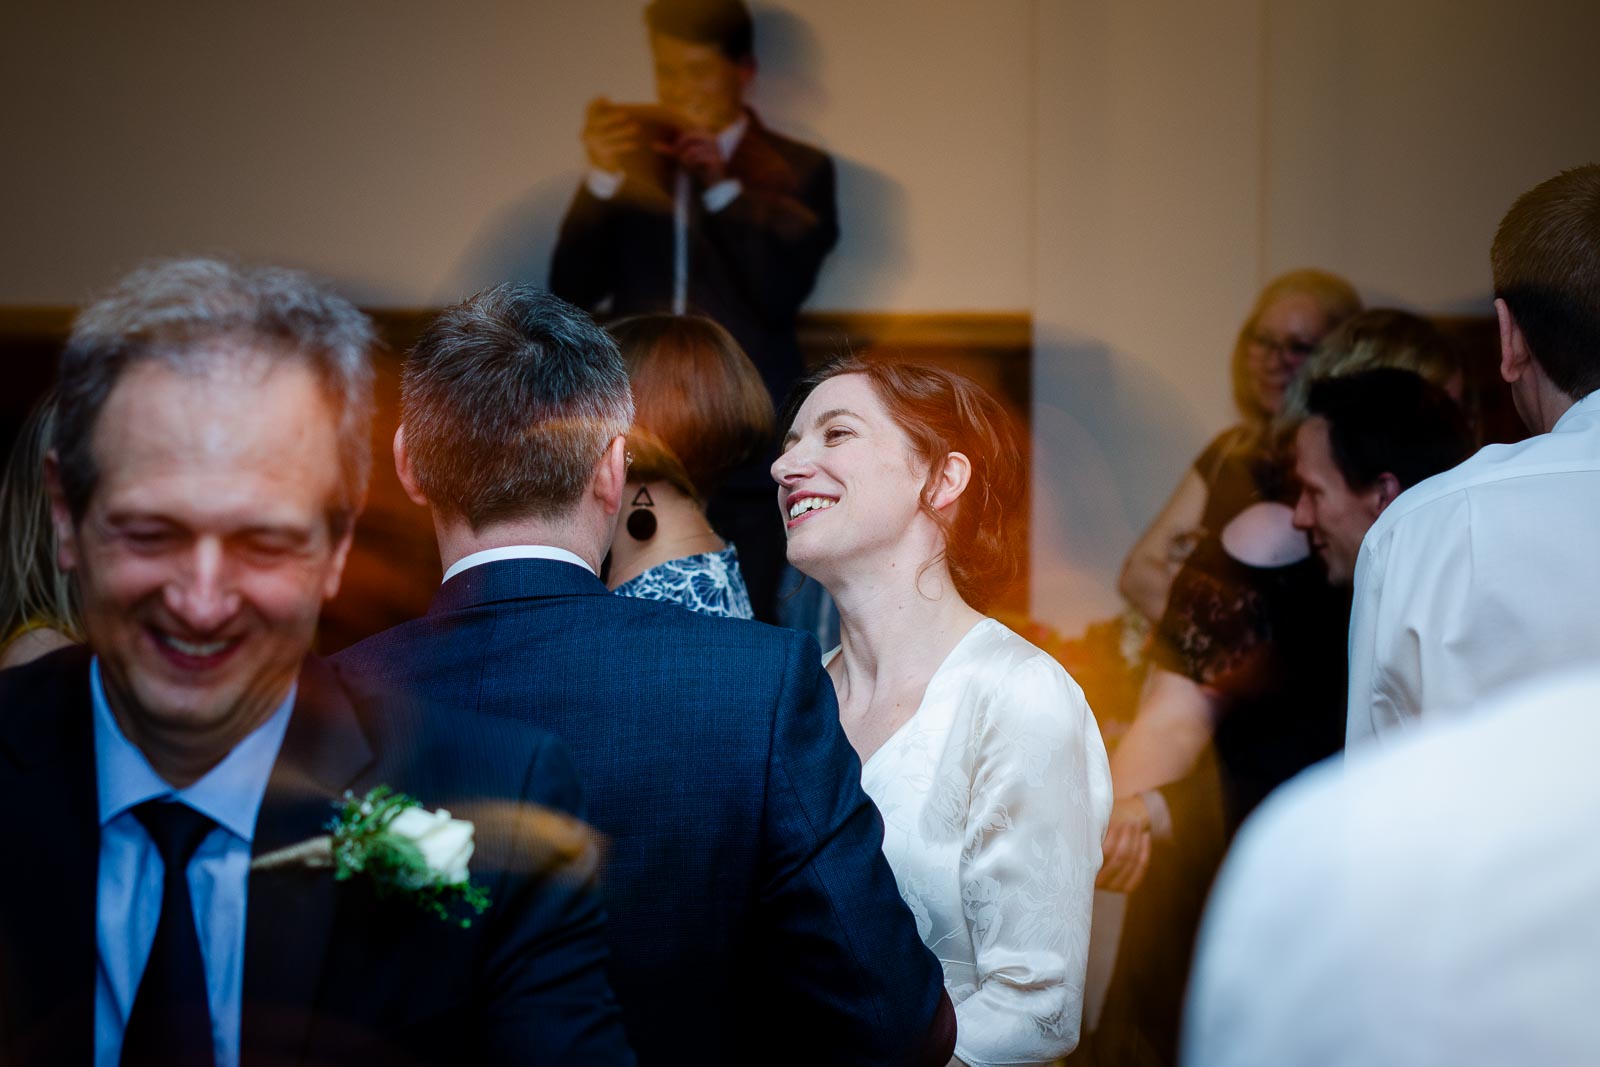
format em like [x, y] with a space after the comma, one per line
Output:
[1381, 337]
[34, 592]
[1334, 297]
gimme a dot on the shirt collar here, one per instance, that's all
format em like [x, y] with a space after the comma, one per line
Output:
[728, 140]
[495, 555]
[229, 794]
[1588, 405]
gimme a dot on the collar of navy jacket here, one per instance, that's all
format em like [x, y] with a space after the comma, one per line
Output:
[514, 579]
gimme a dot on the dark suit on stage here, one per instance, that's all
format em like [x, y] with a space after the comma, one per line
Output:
[752, 916]
[332, 974]
[750, 267]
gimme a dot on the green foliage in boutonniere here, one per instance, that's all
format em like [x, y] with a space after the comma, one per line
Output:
[406, 849]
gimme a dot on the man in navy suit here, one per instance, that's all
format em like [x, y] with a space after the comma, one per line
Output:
[751, 914]
[210, 457]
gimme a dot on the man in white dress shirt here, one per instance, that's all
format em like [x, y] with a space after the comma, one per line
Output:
[1489, 573]
[1463, 933]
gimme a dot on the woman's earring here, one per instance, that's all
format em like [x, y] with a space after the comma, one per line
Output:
[641, 524]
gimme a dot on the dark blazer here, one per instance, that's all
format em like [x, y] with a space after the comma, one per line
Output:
[751, 265]
[332, 973]
[752, 916]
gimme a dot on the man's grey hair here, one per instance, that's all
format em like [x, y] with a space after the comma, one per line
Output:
[197, 316]
[509, 400]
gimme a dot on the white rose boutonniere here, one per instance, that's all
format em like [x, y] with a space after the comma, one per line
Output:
[401, 846]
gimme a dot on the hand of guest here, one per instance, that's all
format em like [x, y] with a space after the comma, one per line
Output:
[698, 153]
[1126, 848]
[609, 135]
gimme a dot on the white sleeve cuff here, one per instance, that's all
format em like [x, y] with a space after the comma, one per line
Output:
[1160, 816]
[721, 194]
[603, 183]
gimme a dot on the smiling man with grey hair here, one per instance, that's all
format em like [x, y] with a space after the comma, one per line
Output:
[208, 465]
[752, 915]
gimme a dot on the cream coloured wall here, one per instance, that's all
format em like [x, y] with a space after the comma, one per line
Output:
[1129, 172]
[414, 151]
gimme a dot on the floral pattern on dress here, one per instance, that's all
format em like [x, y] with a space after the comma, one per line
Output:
[995, 796]
[710, 583]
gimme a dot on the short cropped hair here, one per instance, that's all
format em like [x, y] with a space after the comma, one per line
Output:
[724, 23]
[942, 412]
[700, 407]
[509, 400]
[1391, 421]
[1546, 260]
[197, 315]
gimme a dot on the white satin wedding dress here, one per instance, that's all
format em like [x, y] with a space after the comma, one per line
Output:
[995, 796]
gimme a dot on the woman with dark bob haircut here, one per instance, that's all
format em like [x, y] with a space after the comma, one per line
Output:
[700, 410]
[900, 487]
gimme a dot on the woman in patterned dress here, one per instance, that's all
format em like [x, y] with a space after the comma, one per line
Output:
[901, 489]
[701, 410]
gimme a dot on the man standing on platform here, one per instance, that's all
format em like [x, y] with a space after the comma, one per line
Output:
[1488, 574]
[694, 206]
[176, 898]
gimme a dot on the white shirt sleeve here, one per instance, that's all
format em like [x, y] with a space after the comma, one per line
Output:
[1364, 609]
[1039, 804]
[1266, 988]
[603, 184]
[721, 194]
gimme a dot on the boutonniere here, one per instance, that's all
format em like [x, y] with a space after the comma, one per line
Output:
[402, 847]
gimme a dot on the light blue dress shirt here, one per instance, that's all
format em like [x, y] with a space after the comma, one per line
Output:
[128, 897]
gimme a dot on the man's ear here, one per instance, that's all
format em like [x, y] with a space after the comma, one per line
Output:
[951, 481]
[1515, 357]
[60, 515]
[1386, 488]
[402, 468]
[747, 74]
[611, 476]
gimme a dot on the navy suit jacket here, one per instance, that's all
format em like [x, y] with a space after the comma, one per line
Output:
[332, 972]
[752, 916]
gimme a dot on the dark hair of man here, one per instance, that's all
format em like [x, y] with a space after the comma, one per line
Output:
[941, 412]
[700, 408]
[1546, 260]
[509, 400]
[1389, 421]
[724, 23]
[197, 316]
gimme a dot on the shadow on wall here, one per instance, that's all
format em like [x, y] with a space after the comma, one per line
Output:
[870, 263]
[515, 242]
[787, 91]
[1104, 435]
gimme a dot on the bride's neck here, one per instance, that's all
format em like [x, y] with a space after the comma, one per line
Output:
[899, 627]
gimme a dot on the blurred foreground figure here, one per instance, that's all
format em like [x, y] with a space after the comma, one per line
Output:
[1488, 574]
[692, 205]
[1433, 904]
[210, 456]
[753, 918]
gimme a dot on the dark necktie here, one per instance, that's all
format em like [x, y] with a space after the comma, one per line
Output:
[171, 1018]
